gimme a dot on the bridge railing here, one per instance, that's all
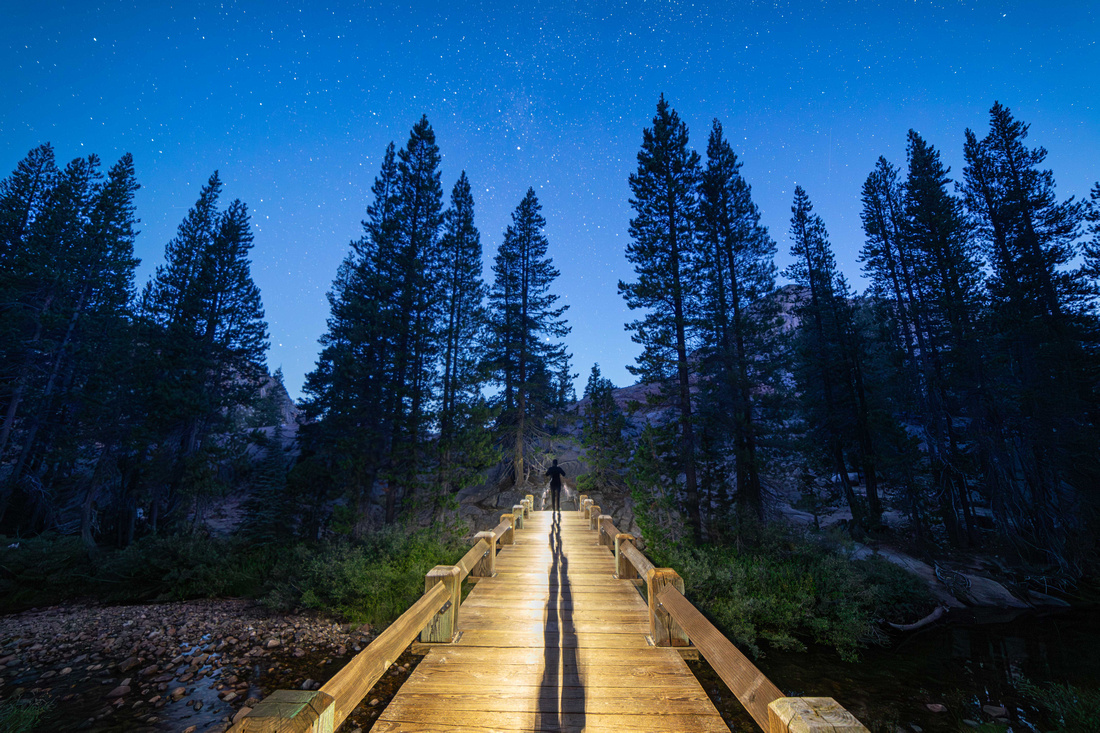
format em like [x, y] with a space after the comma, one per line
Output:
[433, 618]
[675, 622]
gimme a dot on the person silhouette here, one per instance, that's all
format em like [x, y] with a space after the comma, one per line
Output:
[556, 475]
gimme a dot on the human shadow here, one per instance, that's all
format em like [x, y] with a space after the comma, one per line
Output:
[561, 693]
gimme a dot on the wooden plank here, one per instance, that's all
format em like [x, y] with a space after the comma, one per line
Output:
[506, 639]
[459, 654]
[569, 723]
[448, 676]
[577, 700]
[745, 681]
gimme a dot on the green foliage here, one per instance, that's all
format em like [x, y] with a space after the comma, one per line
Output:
[1073, 708]
[22, 715]
[790, 588]
[374, 581]
[602, 432]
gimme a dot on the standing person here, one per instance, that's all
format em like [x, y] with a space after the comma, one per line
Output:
[556, 475]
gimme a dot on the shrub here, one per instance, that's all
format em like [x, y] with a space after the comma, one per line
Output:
[1073, 708]
[787, 588]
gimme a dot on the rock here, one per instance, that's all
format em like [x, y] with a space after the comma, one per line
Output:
[971, 723]
[374, 701]
[229, 696]
[936, 707]
[128, 664]
[67, 670]
[272, 643]
[198, 705]
[192, 729]
[995, 711]
[177, 694]
[307, 685]
[120, 691]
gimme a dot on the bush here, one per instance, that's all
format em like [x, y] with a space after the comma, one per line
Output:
[787, 588]
[370, 582]
[41, 570]
[1073, 708]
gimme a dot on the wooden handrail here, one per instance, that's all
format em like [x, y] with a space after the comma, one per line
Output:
[472, 558]
[674, 621]
[640, 562]
[748, 684]
[327, 709]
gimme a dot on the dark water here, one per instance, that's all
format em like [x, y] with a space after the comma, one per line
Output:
[971, 662]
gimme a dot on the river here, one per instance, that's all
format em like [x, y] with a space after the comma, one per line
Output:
[975, 660]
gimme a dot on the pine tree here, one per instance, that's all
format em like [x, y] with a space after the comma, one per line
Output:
[463, 445]
[740, 318]
[665, 255]
[208, 337]
[526, 321]
[1092, 246]
[70, 282]
[830, 360]
[1037, 434]
[602, 432]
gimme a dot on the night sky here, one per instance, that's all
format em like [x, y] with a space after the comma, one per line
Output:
[295, 105]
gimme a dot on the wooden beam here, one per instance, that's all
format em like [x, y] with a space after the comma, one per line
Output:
[604, 537]
[517, 512]
[471, 558]
[810, 715]
[641, 563]
[487, 566]
[746, 682]
[580, 502]
[441, 627]
[290, 711]
[665, 630]
[507, 534]
[624, 570]
[594, 516]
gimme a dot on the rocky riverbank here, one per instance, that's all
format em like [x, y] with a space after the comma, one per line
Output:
[193, 666]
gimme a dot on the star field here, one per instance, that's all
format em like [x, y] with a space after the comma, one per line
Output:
[295, 105]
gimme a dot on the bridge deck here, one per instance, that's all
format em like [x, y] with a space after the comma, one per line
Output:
[552, 643]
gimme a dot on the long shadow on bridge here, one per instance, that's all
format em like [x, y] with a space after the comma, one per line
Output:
[561, 695]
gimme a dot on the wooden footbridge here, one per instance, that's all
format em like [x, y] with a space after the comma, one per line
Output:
[554, 636]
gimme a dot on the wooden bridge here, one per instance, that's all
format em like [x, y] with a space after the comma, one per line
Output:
[554, 636]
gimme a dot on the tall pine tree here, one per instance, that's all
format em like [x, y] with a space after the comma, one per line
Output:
[664, 252]
[526, 323]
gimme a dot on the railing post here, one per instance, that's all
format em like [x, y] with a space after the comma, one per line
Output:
[580, 502]
[487, 566]
[517, 512]
[531, 502]
[605, 538]
[593, 516]
[509, 537]
[442, 627]
[811, 715]
[624, 569]
[584, 506]
[665, 630]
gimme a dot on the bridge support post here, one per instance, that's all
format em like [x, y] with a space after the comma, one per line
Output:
[811, 715]
[624, 569]
[297, 710]
[442, 626]
[487, 566]
[665, 630]
[594, 516]
[604, 537]
[509, 537]
[530, 503]
[580, 502]
[517, 512]
[584, 506]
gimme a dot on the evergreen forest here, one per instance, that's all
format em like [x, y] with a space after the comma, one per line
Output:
[950, 407]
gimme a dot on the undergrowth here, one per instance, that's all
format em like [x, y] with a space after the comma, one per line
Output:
[372, 581]
[788, 588]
